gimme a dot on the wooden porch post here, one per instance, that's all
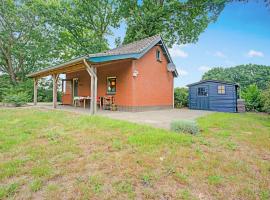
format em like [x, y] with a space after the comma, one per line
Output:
[92, 72]
[92, 110]
[35, 90]
[55, 79]
[95, 93]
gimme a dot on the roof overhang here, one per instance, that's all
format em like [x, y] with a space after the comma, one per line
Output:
[67, 67]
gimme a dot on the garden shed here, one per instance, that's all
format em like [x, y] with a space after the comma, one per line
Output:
[213, 95]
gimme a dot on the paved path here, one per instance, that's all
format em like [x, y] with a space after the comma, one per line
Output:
[159, 118]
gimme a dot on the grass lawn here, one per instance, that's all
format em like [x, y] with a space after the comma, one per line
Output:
[59, 155]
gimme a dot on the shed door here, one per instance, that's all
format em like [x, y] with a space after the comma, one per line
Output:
[202, 99]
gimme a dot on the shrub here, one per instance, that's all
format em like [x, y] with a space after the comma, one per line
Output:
[252, 96]
[266, 99]
[16, 99]
[185, 126]
[180, 97]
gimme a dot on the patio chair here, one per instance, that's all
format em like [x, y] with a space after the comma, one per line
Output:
[108, 102]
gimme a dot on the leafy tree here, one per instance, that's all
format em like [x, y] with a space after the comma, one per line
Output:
[24, 39]
[177, 21]
[244, 75]
[252, 96]
[83, 24]
[180, 97]
[4, 85]
[266, 99]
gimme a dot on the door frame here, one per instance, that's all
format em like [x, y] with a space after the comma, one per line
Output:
[73, 80]
[199, 98]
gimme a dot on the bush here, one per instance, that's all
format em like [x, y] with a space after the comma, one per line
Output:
[45, 93]
[180, 97]
[266, 99]
[18, 99]
[252, 96]
[185, 126]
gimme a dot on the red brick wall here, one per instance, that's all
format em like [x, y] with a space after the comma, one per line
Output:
[123, 73]
[154, 84]
[152, 87]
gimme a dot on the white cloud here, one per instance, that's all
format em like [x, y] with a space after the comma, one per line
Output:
[176, 51]
[253, 53]
[182, 72]
[204, 68]
[220, 54]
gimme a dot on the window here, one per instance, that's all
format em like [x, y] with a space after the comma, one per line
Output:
[111, 85]
[158, 55]
[202, 91]
[221, 89]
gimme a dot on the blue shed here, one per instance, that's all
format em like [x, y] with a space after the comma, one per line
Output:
[213, 95]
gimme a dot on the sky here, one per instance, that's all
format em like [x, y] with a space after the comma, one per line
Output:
[241, 35]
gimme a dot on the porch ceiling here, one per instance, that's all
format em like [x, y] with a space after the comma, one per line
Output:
[68, 67]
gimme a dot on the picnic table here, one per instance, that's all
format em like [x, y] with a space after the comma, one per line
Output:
[104, 102]
[80, 99]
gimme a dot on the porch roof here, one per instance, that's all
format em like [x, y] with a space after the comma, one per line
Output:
[134, 50]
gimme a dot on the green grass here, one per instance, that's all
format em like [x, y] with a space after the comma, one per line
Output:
[55, 154]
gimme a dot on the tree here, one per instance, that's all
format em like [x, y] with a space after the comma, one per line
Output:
[177, 21]
[266, 99]
[180, 97]
[83, 24]
[252, 96]
[244, 75]
[24, 39]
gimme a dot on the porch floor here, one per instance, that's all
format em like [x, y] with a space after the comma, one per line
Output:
[156, 118]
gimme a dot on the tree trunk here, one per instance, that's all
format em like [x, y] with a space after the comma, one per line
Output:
[11, 72]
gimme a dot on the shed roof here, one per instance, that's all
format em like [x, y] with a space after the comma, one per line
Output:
[134, 50]
[213, 81]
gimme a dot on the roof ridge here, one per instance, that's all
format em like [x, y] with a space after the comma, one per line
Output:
[134, 42]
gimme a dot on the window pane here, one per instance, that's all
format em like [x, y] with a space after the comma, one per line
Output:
[221, 89]
[202, 91]
[158, 55]
[111, 85]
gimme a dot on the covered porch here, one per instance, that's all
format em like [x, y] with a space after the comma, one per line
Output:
[85, 84]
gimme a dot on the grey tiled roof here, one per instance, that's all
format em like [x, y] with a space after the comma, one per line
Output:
[134, 47]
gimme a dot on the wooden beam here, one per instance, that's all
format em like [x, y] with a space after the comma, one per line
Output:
[95, 91]
[55, 79]
[65, 69]
[93, 86]
[35, 90]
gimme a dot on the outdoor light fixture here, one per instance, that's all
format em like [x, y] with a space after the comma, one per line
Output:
[135, 73]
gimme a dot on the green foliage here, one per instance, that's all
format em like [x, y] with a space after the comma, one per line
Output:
[36, 185]
[18, 99]
[252, 96]
[45, 32]
[31, 40]
[253, 80]
[244, 75]
[82, 25]
[4, 85]
[265, 97]
[9, 91]
[185, 126]
[180, 97]
[177, 21]
[9, 190]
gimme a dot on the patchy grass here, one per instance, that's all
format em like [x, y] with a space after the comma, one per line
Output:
[59, 155]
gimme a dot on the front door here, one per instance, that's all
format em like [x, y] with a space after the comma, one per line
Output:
[202, 98]
[75, 87]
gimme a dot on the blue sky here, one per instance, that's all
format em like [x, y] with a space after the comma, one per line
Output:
[241, 35]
